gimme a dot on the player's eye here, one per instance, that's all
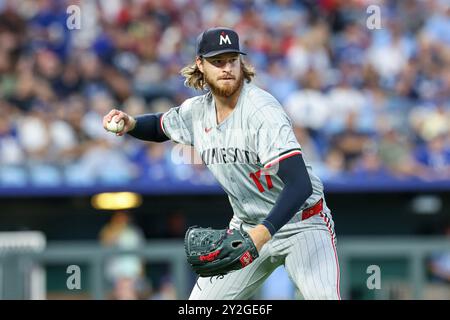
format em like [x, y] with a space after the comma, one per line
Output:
[222, 62]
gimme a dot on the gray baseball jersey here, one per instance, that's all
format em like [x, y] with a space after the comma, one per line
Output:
[256, 135]
[242, 152]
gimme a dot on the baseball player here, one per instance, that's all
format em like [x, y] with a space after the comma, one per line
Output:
[246, 139]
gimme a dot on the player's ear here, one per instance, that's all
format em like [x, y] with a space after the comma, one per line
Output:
[199, 62]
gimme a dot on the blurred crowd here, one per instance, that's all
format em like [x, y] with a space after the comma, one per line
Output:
[365, 103]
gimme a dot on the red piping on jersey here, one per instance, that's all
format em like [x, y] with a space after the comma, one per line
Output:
[288, 155]
[327, 221]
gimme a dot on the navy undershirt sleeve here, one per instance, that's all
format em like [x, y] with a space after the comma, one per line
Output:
[297, 189]
[148, 128]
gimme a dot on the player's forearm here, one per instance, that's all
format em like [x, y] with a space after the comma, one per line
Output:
[148, 127]
[297, 189]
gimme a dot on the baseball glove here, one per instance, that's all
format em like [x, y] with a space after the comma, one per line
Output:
[213, 252]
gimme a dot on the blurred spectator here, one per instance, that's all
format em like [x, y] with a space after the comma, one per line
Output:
[350, 142]
[103, 164]
[126, 271]
[125, 289]
[152, 161]
[438, 23]
[439, 266]
[33, 134]
[343, 100]
[277, 80]
[308, 52]
[395, 152]
[313, 152]
[176, 225]
[397, 47]
[334, 165]
[100, 104]
[220, 12]
[11, 152]
[166, 291]
[369, 166]
[309, 107]
[435, 156]
[351, 44]
[428, 122]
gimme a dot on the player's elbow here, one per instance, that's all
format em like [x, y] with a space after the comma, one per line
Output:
[302, 181]
[306, 186]
[294, 174]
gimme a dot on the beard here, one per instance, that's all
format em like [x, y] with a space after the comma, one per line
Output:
[224, 89]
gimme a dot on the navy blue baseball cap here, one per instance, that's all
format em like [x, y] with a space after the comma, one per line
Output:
[215, 41]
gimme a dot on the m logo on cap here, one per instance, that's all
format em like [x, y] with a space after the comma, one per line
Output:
[216, 41]
[224, 38]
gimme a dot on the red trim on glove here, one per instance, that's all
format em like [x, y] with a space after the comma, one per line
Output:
[210, 256]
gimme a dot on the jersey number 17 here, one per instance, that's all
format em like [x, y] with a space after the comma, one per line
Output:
[256, 176]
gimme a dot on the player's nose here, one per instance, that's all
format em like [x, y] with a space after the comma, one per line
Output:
[228, 66]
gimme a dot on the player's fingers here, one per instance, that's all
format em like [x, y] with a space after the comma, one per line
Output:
[109, 116]
[105, 122]
[124, 130]
[121, 133]
[121, 116]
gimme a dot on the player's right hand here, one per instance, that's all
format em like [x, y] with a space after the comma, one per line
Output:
[129, 121]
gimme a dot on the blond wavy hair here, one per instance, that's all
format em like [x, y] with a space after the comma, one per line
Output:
[194, 77]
